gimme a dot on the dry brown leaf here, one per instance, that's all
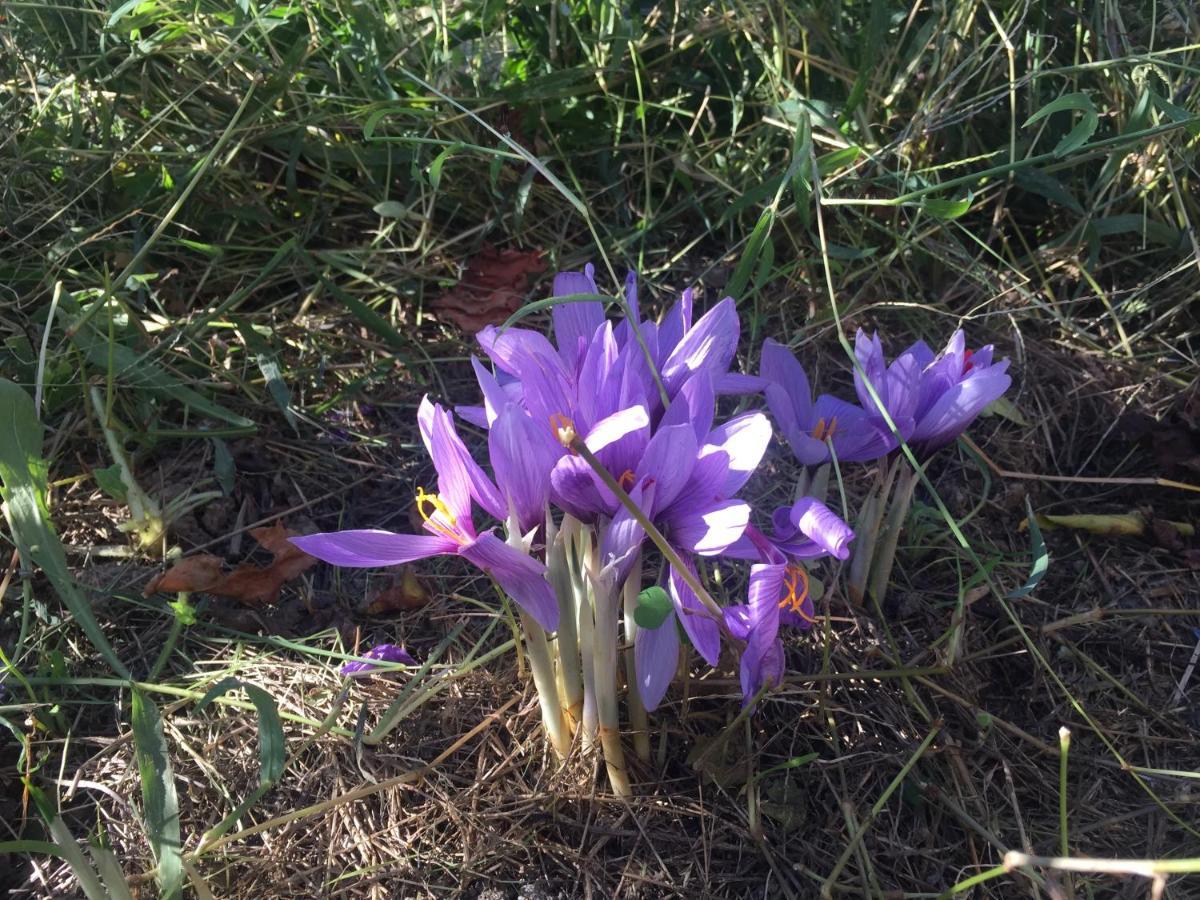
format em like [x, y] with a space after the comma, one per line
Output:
[404, 591]
[248, 583]
[491, 290]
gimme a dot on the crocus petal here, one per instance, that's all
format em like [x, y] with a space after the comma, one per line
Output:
[779, 366]
[382, 652]
[578, 490]
[676, 323]
[523, 453]
[667, 463]
[370, 548]
[622, 538]
[822, 526]
[575, 323]
[733, 384]
[612, 428]
[950, 415]
[697, 621]
[495, 396]
[459, 477]
[522, 577]
[695, 404]
[656, 653]
[710, 531]
[744, 439]
[762, 660]
[473, 415]
[709, 344]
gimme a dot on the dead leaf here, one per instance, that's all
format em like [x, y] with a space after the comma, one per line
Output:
[248, 583]
[196, 573]
[1132, 523]
[404, 591]
[492, 289]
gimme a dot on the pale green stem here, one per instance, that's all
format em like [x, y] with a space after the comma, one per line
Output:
[559, 544]
[638, 719]
[866, 534]
[541, 665]
[604, 663]
[146, 517]
[818, 485]
[881, 568]
[584, 551]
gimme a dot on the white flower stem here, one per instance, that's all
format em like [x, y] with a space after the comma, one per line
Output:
[604, 662]
[537, 649]
[583, 558]
[559, 544]
[638, 719]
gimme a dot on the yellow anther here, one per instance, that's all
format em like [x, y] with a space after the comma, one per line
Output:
[439, 507]
[564, 429]
[824, 431]
[795, 579]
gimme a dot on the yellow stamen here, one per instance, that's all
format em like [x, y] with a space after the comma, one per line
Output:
[439, 508]
[823, 431]
[564, 429]
[795, 579]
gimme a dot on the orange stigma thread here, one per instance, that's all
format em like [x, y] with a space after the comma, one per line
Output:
[439, 507]
[823, 431]
[626, 480]
[564, 429]
[795, 579]
[967, 363]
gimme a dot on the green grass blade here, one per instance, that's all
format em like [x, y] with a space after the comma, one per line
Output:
[161, 812]
[1041, 558]
[271, 743]
[23, 474]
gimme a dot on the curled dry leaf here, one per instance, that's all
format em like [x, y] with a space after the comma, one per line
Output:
[248, 583]
[491, 289]
[404, 590]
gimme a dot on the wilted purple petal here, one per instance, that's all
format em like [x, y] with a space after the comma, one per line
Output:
[656, 653]
[371, 548]
[704, 633]
[521, 576]
[392, 653]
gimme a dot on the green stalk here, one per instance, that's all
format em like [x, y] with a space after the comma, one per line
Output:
[881, 567]
[638, 719]
[558, 544]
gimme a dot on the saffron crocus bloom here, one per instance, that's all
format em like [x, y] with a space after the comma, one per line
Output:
[384, 653]
[812, 427]
[447, 517]
[779, 587]
[937, 397]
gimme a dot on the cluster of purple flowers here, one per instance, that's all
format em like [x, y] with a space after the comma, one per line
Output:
[642, 396]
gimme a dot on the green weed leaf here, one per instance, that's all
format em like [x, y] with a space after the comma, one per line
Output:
[158, 794]
[271, 745]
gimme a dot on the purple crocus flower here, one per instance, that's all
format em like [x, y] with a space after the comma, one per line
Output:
[932, 398]
[392, 653]
[447, 516]
[809, 426]
[778, 593]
